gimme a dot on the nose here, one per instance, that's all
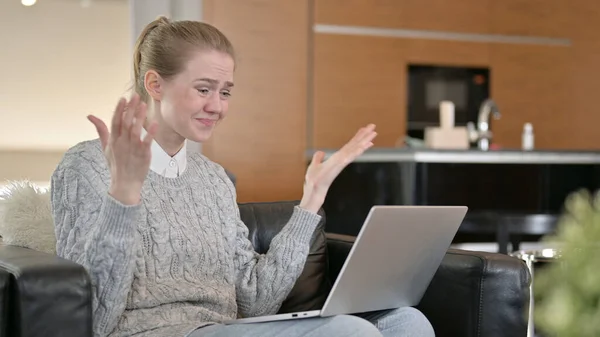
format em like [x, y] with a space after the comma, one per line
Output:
[214, 104]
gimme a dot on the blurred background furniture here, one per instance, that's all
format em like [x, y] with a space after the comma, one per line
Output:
[535, 259]
[513, 196]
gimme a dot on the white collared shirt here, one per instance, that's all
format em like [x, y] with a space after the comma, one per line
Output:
[165, 165]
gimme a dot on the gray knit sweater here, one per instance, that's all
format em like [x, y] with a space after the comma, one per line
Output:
[179, 260]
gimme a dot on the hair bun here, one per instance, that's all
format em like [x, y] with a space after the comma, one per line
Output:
[162, 20]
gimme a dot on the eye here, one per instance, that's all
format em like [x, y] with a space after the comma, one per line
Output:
[225, 94]
[203, 91]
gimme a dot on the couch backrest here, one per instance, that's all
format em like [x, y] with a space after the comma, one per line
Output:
[264, 221]
[31, 210]
[5, 302]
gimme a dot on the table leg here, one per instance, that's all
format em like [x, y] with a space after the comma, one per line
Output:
[502, 237]
[530, 325]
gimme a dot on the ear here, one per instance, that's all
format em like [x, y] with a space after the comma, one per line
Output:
[152, 83]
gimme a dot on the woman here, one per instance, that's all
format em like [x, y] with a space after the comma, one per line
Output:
[158, 229]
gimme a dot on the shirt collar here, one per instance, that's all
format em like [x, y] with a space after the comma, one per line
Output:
[165, 165]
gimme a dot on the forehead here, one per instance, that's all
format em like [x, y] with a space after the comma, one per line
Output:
[210, 64]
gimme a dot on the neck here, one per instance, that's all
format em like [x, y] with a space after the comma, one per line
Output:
[169, 140]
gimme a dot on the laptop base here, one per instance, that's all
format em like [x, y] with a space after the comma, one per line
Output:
[273, 318]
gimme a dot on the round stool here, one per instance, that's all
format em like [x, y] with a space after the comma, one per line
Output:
[535, 258]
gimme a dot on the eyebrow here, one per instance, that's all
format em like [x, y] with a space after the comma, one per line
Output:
[213, 81]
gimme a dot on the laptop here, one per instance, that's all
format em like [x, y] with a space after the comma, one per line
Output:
[390, 265]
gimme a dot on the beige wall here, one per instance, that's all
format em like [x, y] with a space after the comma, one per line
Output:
[34, 166]
[60, 62]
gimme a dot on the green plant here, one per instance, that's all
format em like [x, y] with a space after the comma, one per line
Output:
[567, 292]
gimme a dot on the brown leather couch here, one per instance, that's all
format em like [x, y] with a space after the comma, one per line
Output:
[472, 294]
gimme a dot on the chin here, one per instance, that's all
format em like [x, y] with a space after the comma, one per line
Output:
[200, 136]
[198, 132]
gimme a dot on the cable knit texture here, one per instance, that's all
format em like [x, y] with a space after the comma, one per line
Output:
[179, 260]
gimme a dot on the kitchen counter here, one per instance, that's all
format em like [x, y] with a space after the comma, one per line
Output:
[508, 186]
[473, 156]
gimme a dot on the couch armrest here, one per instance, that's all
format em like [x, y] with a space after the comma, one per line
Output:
[47, 295]
[478, 294]
[472, 294]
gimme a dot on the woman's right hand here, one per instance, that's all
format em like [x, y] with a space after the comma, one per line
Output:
[128, 156]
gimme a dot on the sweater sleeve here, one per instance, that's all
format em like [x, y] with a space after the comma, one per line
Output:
[265, 280]
[96, 231]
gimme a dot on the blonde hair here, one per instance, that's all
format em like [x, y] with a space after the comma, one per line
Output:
[165, 46]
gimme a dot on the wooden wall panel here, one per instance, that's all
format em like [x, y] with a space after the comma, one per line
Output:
[452, 53]
[545, 18]
[471, 16]
[584, 110]
[467, 16]
[362, 79]
[264, 137]
[357, 80]
[531, 84]
[550, 86]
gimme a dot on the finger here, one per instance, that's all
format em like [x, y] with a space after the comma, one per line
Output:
[139, 118]
[318, 157]
[358, 149]
[132, 108]
[364, 145]
[366, 131]
[364, 141]
[102, 130]
[152, 128]
[361, 142]
[355, 153]
[369, 137]
[117, 118]
[358, 135]
[362, 133]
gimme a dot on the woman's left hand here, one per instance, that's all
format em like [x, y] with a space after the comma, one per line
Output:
[320, 174]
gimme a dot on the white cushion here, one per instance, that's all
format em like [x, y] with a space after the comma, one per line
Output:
[26, 217]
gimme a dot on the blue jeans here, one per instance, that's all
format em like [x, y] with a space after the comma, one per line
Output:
[403, 322]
